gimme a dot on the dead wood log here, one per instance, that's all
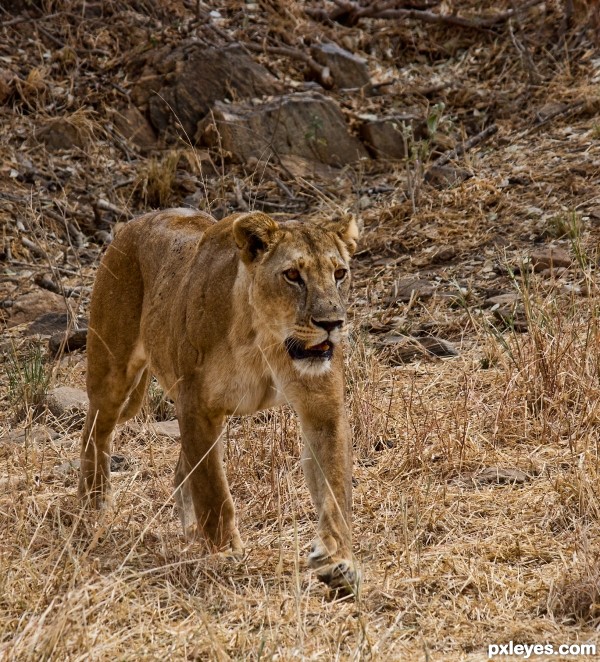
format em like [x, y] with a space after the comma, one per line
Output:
[349, 13]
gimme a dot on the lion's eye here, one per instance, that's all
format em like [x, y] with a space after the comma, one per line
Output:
[340, 274]
[293, 275]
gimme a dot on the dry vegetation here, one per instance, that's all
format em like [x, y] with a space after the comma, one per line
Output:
[477, 505]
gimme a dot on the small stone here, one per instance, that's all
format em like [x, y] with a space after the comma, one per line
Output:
[120, 463]
[550, 258]
[446, 176]
[443, 254]
[408, 348]
[68, 342]
[405, 289]
[512, 317]
[68, 467]
[62, 134]
[38, 435]
[133, 126]
[32, 305]
[438, 346]
[167, 429]
[384, 444]
[48, 323]
[508, 299]
[7, 79]
[553, 273]
[66, 401]
[384, 136]
[501, 476]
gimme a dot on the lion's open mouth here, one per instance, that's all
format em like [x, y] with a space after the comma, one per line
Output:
[297, 350]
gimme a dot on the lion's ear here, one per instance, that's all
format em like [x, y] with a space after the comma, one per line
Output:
[254, 232]
[347, 230]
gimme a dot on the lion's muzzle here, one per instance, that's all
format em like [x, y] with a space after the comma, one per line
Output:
[298, 351]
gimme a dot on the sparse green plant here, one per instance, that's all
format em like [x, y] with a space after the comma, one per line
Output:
[158, 405]
[314, 129]
[565, 225]
[28, 380]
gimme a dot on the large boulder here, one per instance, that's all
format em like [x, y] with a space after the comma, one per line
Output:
[305, 125]
[180, 85]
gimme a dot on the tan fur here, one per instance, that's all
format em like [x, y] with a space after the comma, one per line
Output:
[207, 307]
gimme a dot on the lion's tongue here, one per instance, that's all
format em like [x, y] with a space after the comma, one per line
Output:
[321, 347]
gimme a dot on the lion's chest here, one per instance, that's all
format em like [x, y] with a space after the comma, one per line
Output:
[244, 387]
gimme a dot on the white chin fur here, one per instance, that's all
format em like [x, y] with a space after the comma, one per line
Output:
[312, 367]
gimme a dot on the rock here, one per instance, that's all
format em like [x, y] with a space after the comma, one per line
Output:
[62, 134]
[120, 463]
[68, 342]
[306, 125]
[167, 429]
[384, 444]
[409, 348]
[307, 168]
[34, 304]
[133, 126]
[553, 273]
[549, 110]
[550, 258]
[503, 300]
[512, 317]
[180, 85]
[443, 254]
[68, 402]
[37, 434]
[405, 289]
[501, 476]
[384, 139]
[7, 84]
[438, 346]
[68, 467]
[48, 323]
[446, 176]
[347, 70]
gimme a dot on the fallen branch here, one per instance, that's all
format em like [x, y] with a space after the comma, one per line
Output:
[322, 73]
[480, 137]
[349, 13]
[46, 284]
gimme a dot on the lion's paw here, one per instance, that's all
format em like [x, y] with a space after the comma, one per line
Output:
[341, 576]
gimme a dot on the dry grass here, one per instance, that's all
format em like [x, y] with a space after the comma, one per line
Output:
[449, 565]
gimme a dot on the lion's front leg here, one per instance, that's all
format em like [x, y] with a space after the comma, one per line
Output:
[202, 487]
[327, 464]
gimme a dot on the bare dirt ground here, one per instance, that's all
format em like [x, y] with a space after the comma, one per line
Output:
[473, 360]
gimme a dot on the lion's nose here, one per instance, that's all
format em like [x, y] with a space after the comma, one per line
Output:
[328, 325]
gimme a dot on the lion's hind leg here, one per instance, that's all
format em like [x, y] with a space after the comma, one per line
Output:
[116, 384]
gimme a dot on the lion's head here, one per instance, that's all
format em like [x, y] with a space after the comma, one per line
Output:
[299, 280]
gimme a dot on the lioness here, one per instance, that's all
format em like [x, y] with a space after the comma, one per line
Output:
[232, 317]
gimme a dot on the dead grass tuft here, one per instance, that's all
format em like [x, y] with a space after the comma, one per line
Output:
[576, 596]
[156, 183]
